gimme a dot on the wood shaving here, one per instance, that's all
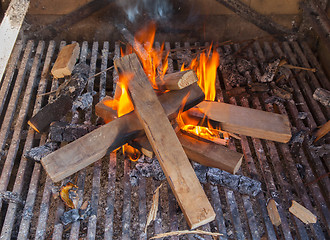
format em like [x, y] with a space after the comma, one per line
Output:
[154, 208]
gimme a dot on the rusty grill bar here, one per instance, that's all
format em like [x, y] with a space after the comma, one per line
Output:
[120, 210]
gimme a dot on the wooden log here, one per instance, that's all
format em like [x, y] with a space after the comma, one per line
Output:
[176, 80]
[247, 121]
[206, 153]
[302, 213]
[66, 60]
[66, 94]
[273, 213]
[9, 29]
[170, 154]
[94, 145]
[51, 112]
[323, 96]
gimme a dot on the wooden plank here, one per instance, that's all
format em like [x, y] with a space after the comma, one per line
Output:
[176, 80]
[66, 60]
[9, 29]
[174, 162]
[94, 145]
[302, 213]
[247, 121]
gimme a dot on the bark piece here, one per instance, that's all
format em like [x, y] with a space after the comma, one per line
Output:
[302, 213]
[273, 213]
[94, 145]
[66, 60]
[323, 96]
[247, 121]
[177, 80]
[175, 164]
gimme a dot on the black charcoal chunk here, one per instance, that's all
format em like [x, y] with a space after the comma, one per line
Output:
[85, 213]
[64, 132]
[84, 101]
[12, 197]
[201, 172]
[249, 186]
[70, 216]
[37, 153]
[302, 115]
[270, 71]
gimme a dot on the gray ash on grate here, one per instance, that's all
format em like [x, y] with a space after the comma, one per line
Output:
[214, 176]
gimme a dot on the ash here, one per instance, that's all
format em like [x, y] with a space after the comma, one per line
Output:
[37, 153]
[83, 102]
[214, 176]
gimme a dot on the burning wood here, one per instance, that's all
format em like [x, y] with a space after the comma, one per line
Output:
[249, 122]
[175, 164]
[94, 145]
[207, 153]
[176, 81]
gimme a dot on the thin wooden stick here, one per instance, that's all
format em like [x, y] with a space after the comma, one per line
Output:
[184, 232]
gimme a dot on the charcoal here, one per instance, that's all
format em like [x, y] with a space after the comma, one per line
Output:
[270, 71]
[302, 115]
[201, 172]
[323, 96]
[243, 65]
[70, 216]
[242, 184]
[151, 170]
[249, 186]
[134, 177]
[84, 101]
[274, 100]
[280, 92]
[64, 132]
[74, 86]
[12, 197]
[321, 151]
[85, 211]
[296, 141]
[37, 153]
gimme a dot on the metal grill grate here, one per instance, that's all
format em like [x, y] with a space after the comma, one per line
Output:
[120, 210]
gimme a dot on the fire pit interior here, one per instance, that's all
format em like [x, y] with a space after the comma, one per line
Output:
[246, 100]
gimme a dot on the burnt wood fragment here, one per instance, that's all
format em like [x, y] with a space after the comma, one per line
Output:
[37, 153]
[64, 132]
[323, 96]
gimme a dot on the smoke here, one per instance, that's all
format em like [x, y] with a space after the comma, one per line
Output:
[157, 10]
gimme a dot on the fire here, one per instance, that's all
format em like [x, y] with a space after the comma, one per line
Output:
[155, 64]
[123, 104]
[132, 153]
[206, 71]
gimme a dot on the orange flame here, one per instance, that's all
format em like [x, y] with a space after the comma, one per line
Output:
[132, 153]
[206, 71]
[123, 104]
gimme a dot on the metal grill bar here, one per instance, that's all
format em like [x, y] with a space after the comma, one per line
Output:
[119, 210]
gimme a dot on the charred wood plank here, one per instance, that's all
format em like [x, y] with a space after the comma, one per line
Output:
[94, 145]
[172, 158]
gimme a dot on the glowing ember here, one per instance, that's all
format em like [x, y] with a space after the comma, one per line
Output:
[132, 153]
